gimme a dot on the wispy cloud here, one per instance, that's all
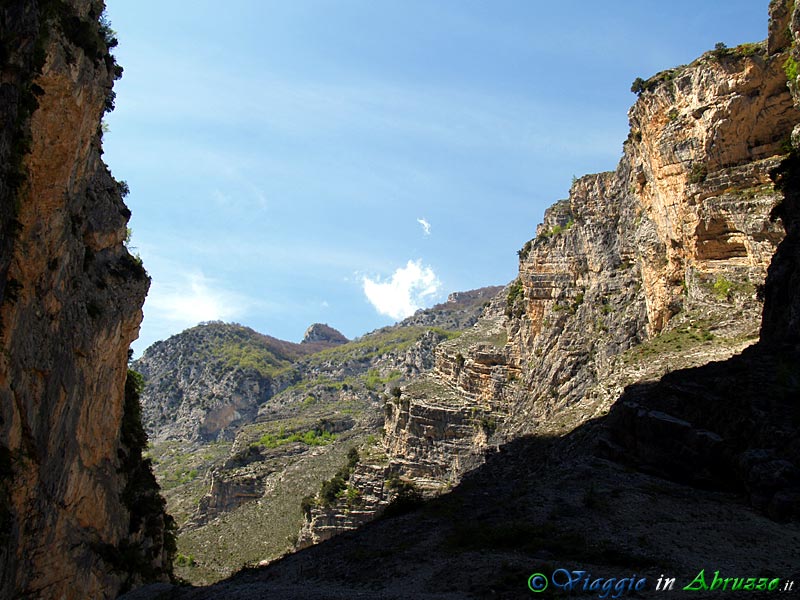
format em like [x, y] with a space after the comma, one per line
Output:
[193, 299]
[426, 227]
[409, 288]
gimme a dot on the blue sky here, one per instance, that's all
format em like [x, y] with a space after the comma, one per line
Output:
[348, 161]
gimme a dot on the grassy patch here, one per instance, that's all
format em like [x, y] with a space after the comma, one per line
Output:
[244, 354]
[676, 340]
[748, 49]
[790, 68]
[373, 380]
[698, 173]
[724, 289]
[556, 230]
[312, 437]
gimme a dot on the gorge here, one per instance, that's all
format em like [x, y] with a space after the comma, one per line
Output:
[628, 402]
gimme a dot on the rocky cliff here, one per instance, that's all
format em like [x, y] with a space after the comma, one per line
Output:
[655, 266]
[673, 246]
[81, 515]
[734, 424]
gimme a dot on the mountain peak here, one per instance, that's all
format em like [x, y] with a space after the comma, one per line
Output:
[322, 332]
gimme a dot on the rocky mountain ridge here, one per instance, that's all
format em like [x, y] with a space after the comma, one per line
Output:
[294, 411]
[205, 382]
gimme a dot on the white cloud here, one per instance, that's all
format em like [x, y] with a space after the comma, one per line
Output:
[405, 293]
[193, 300]
[426, 227]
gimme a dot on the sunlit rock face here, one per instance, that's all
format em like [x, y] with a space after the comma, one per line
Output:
[651, 267]
[71, 305]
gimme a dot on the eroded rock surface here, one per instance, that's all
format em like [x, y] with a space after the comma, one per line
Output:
[81, 514]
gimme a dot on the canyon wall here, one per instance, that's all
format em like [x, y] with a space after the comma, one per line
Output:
[733, 424]
[81, 514]
[656, 266]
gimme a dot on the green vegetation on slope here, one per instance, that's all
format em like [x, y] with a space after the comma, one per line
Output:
[248, 354]
[383, 341]
[312, 437]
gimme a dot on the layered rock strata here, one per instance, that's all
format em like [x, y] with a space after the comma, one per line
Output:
[677, 239]
[734, 424]
[673, 245]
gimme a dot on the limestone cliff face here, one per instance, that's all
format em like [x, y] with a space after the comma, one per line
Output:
[733, 424]
[71, 305]
[673, 246]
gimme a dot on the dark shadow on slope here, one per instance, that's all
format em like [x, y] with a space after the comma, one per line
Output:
[730, 425]
[537, 504]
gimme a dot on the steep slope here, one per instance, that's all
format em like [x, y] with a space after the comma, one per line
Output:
[299, 409]
[80, 513]
[205, 382]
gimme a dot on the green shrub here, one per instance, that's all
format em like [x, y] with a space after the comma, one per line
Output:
[720, 51]
[373, 380]
[334, 488]
[723, 288]
[523, 252]
[488, 425]
[790, 68]
[748, 49]
[312, 437]
[514, 305]
[698, 173]
[353, 496]
[352, 459]
[182, 560]
[406, 497]
[307, 504]
[330, 489]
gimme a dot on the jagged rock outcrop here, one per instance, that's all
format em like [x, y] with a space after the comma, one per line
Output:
[319, 332]
[81, 516]
[372, 494]
[461, 310]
